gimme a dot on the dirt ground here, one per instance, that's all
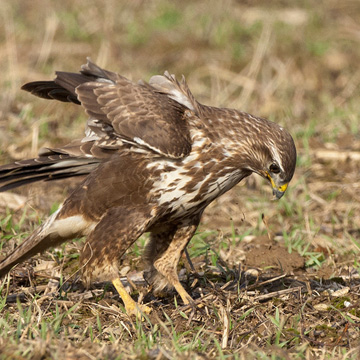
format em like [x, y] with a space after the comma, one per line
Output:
[271, 280]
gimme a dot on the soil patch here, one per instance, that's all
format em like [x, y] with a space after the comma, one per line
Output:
[273, 255]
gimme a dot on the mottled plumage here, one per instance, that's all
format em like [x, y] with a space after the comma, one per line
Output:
[155, 158]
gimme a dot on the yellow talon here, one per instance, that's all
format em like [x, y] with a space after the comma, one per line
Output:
[131, 307]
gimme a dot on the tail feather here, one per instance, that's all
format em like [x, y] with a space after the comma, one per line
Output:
[52, 232]
[46, 168]
[38, 241]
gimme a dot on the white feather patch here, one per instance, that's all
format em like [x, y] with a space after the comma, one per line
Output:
[163, 84]
[73, 225]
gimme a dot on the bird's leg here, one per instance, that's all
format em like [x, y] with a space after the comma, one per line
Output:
[112, 236]
[166, 264]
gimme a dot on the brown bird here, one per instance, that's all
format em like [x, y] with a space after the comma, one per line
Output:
[154, 158]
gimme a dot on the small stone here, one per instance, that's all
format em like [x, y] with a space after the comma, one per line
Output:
[321, 307]
[341, 292]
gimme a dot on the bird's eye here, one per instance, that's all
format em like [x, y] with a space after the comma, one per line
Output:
[275, 169]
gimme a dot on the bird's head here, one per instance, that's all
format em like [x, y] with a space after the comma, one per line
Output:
[275, 158]
[278, 178]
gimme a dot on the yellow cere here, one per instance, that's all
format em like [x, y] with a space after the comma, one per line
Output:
[281, 188]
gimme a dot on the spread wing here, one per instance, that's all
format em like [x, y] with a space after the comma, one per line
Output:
[151, 116]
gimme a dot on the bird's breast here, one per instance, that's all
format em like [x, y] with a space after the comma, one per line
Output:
[181, 188]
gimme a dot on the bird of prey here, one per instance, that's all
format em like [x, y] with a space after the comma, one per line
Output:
[155, 158]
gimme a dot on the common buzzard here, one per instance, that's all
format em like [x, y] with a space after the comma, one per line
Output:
[154, 159]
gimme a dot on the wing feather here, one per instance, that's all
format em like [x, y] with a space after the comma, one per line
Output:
[140, 114]
[152, 116]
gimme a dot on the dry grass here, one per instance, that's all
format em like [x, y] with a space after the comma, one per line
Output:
[284, 287]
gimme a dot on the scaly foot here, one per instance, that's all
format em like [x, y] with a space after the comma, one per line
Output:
[137, 310]
[131, 307]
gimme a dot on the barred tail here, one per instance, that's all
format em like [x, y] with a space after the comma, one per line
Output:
[53, 167]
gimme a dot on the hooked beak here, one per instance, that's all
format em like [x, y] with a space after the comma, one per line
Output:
[278, 191]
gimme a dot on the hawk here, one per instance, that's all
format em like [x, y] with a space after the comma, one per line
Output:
[154, 158]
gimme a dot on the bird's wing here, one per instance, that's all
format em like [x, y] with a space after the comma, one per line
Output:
[152, 116]
[135, 113]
